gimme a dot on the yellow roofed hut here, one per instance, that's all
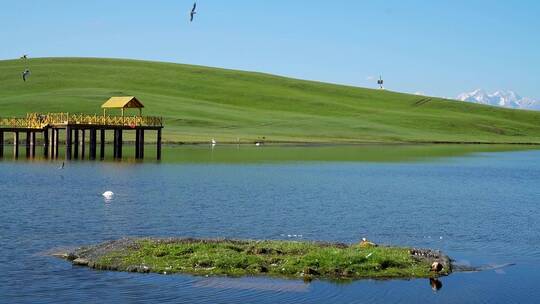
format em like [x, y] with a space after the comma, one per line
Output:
[122, 103]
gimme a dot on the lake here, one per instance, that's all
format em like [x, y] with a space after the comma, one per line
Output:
[479, 204]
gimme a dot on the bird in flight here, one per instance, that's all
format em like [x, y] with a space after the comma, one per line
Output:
[25, 74]
[193, 12]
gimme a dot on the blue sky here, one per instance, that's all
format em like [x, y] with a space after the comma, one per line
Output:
[437, 47]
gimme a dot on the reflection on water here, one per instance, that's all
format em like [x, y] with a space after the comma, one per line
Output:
[435, 284]
[481, 208]
[253, 284]
[296, 153]
[326, 153]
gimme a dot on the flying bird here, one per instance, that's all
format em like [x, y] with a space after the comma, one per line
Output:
[193, 12]
[25, 74]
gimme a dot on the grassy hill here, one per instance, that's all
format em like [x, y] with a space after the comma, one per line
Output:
[200, 103]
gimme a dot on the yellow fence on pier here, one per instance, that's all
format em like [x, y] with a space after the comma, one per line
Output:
[40, 121]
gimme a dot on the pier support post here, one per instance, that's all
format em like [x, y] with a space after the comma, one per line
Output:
[33, 144]
[69, 132]
[56, 142]
[93, 134]
[115, 143]
[16, 144]
[46, 142]
[141, 144]
[102, 144]
[76, 144]
[83, 143]
[120, 141]
[28, 141]
[51, 145]
[158, 150]
[1, 143]
[137, 143]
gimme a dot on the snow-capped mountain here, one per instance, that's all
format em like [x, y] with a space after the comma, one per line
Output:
[508, 99]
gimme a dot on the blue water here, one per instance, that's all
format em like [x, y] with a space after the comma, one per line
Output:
[480, 209]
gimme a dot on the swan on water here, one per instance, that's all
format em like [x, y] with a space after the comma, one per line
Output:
[108, 195]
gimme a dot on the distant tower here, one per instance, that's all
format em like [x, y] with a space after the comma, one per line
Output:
[380, 82]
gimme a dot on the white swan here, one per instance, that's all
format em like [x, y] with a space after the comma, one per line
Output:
[108, 195]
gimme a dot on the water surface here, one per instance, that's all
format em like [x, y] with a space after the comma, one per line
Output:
[480, 208]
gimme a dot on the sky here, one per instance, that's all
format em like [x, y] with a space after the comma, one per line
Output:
[438, 48]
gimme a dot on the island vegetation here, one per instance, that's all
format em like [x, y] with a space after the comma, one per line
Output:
[287, 259]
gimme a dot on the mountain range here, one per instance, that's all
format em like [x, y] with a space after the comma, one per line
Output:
[507, 99]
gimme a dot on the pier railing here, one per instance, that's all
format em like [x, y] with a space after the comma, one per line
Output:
[40, 121]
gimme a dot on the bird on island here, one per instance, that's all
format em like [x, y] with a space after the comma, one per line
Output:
[108, 195]
[193, 12]
[365, 243]
[214, 142]
[258, 144]
[437, 266]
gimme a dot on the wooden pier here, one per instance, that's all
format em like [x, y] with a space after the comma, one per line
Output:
[78, 130]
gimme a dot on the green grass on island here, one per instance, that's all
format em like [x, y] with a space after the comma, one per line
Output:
[201, 103]
[288, 259]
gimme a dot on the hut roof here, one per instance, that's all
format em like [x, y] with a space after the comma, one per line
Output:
[122, 103]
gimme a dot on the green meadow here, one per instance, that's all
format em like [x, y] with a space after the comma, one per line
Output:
[200, 103]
